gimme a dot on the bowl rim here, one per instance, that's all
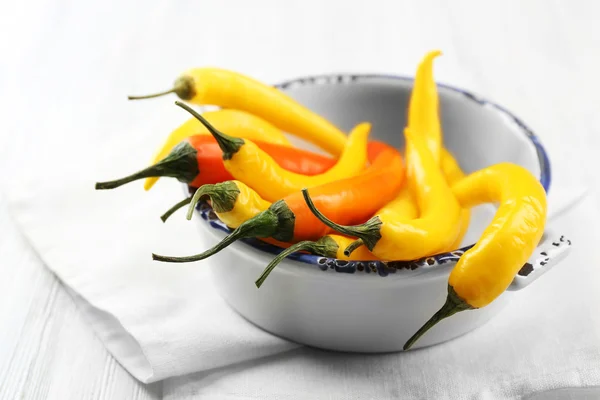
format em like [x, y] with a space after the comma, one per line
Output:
[383, 268]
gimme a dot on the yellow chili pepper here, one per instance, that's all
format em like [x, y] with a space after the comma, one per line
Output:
[331, 246]
[435, 229]
[423, 110]
[237, 123]
[424, 118]
[229, 89]
[485, 271]
[404, 206]
[453, 174]
[232, 201]
[248, 163]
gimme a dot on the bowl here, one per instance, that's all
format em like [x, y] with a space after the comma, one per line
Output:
[374, 306]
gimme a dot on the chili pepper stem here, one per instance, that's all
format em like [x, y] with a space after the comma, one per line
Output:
[150, 96]
[202, 191]
[229, 145]
[183, 88]
[453, 305]
[180, 164]
[368, 232]
[353, 246]
[222, 196]
[176, 207]
[306, 245]
[263, 224]
[325, 246]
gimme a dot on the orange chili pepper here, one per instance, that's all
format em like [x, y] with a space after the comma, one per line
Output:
[230, 188]
[352, 199]
[198, 160]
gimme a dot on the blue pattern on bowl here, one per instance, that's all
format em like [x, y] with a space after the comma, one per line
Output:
[382, 268]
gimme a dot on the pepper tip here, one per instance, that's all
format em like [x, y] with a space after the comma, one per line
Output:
[149, 183]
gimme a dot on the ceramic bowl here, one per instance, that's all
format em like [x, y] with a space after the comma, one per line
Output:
[374, 306]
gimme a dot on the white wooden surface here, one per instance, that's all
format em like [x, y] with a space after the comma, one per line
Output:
[539, 58]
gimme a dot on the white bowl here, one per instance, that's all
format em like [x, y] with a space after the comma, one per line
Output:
[376, 307]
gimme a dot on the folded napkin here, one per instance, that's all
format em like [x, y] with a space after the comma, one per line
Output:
[164, 320]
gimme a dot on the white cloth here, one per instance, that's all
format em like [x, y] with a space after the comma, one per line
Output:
[162, 320]
[72, 127]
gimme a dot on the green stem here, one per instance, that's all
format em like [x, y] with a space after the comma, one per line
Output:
[353, 246]
[325, 246]
[229, 145]
[200, 192]
[176, 207]
[453, 305]
[263, 224]
[369, 232]
[183, 88]
[222, 197]
[181, 163]
[306, 245]
[150, 96]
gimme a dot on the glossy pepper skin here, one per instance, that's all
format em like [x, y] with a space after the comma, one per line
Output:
[328, 246]
[424, 118]
[237, 123]
[353, 199]
[222, 190]
[437, 226]
[485, 271]
[249, 164]
[404, 206]
[198, 160]
[232, 201]
[228, 89]
[453, 174]
[424, 109]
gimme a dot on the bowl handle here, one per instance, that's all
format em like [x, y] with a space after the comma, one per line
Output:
[552, 250]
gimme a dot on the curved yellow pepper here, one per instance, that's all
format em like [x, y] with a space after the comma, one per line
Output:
[453, 174]
[404, 206]
[230, 89]
[342, 242]
[424, 118]
[487, 269]
[435, 229]
[237, 123]
[232, 201]
[248, 163]
[424, 109]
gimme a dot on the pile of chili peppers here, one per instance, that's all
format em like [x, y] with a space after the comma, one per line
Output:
[364, 202]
